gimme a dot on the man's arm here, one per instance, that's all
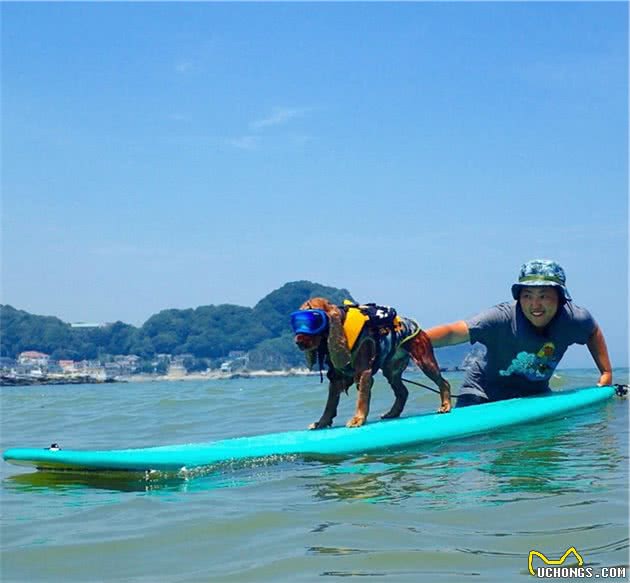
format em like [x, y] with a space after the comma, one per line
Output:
[449, 334]
[597, 347]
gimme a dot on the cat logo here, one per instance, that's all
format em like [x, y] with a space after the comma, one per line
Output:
[559, 561]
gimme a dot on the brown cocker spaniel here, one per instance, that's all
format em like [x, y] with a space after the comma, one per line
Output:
[357, 366]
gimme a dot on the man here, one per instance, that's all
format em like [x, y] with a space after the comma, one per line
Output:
[525, 339]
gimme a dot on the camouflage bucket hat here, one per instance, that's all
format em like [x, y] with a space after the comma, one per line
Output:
[541, 272]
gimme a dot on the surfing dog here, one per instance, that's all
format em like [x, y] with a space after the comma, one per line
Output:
[322, 333]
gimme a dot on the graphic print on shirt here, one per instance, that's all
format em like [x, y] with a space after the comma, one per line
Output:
[534, 367]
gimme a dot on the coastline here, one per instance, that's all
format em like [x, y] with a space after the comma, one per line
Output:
[215, 375]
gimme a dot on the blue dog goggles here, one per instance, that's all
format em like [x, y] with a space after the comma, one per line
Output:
[309, 321]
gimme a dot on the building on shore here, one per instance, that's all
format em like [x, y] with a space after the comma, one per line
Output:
[33, 358]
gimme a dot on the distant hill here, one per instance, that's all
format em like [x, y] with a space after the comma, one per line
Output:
[274, 309]
[206, 332]
[209, 332]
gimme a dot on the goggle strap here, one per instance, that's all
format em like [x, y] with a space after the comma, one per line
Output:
[320, 360]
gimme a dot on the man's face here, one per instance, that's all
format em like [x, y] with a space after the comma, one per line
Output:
[539, 304]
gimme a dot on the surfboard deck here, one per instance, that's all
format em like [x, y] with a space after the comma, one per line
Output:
[376, 435]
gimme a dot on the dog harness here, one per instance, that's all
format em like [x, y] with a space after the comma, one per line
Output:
[378, 324]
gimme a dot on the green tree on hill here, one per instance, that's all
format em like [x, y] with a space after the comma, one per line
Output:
[22, 331]
[207, 332]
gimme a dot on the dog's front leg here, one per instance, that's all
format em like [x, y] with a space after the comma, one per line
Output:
[330, 410]
[363, 363]
[364, 382]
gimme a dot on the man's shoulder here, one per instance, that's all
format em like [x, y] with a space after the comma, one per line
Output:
[575, 313]
[576, 324]
[497, 314]
[503, 312]
[506, 308]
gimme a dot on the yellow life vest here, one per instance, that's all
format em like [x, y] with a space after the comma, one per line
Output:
[355, 321]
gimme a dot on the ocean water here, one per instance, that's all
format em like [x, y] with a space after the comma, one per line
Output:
[466, 510]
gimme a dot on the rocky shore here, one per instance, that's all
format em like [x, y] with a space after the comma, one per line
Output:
[8, 380]
[214, 375]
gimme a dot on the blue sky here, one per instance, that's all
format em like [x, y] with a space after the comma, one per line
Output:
[177, 155]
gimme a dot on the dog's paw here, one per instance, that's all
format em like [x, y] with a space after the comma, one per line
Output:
[391, 415]
[445, 407]
[320, 425]
[356, 421]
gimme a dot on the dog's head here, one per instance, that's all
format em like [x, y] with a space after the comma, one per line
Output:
[312, 325]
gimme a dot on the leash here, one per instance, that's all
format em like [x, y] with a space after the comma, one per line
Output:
[427, 387]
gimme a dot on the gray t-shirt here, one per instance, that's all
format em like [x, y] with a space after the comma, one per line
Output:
[519, 360]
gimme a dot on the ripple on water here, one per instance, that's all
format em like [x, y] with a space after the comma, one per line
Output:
[443, 512]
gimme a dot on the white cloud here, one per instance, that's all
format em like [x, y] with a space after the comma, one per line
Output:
[300, 140]
[184, 66]
[279, 116]
[245, 142]
[180, 117]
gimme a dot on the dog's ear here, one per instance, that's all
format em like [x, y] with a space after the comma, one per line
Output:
[337, 343]
[311, 358]
[316, 304]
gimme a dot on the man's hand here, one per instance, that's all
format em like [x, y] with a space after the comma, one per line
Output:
[605, 379]
[597, 347]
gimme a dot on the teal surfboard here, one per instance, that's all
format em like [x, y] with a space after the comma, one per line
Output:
[376, 435]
